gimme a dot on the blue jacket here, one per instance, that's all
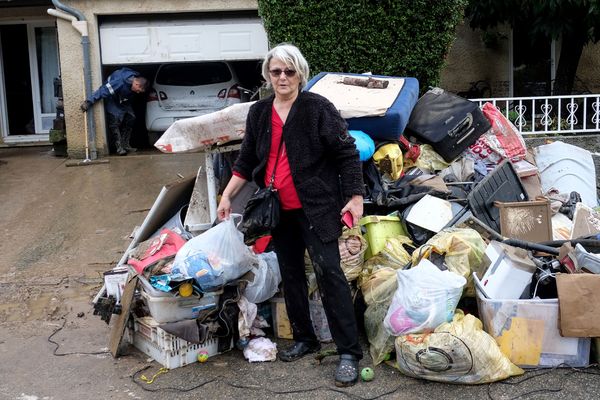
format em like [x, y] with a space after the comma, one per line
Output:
[117, 92]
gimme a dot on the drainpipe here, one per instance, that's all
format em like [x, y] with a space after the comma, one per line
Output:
[80, 24]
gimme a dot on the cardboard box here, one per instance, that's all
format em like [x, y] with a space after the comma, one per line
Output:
[527, 333]
[281, 322]
[579, 296]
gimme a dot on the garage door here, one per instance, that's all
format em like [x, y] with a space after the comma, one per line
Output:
[166, 40]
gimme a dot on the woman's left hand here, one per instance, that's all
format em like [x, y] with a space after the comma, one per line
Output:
[355, 206]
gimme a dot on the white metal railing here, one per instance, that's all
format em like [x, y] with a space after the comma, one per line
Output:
[572, 114]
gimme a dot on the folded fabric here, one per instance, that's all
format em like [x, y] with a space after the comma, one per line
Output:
[189, 329]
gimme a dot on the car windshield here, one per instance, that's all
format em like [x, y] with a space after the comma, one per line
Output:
[193, 74]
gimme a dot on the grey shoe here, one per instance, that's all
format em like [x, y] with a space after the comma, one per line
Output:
[347, 371]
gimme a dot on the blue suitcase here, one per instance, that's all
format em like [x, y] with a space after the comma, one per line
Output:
[392, 124]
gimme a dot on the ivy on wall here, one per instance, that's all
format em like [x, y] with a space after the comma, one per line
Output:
[385, 37]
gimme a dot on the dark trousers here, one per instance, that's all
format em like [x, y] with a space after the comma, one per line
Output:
[120, 129]
[291, 238]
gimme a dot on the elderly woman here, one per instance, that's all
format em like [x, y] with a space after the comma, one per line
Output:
[318, 176]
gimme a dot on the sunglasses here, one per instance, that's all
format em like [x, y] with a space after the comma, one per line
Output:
[276, 73]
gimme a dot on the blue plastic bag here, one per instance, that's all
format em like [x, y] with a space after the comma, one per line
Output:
[364, 144]
[215, 257]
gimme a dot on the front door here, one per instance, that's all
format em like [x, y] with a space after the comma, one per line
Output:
[532, 64]
[28, 66]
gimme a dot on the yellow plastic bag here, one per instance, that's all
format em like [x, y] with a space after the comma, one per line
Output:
[456, 352]
[428, 160]
[374, 284]
[463, 250]
[380, 292]
[352, 250]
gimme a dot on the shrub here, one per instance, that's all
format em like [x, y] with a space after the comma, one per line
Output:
[385, 37]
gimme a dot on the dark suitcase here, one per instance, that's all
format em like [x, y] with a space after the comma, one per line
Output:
[447, 122]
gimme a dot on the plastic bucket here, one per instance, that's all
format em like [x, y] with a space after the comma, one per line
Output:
[380, 228]
[175, 223]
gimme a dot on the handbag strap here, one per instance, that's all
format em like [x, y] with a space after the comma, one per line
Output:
[276, 160]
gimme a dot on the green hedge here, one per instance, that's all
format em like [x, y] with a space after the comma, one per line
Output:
[385, 37]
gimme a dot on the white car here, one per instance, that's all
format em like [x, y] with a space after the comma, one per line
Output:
[183, 90]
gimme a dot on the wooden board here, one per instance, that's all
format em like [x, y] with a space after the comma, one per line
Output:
[118, 329]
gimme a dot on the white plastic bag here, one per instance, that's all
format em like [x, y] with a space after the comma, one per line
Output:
[266, 279]
[426, 297]
[215, 257]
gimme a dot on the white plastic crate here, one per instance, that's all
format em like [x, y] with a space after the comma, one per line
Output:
[527, 333]
[166, 349]
[175, 308]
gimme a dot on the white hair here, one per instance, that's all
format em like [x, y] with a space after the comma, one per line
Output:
[291, 56]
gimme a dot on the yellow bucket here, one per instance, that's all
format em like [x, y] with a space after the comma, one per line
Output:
[379, 229]
[388, 159]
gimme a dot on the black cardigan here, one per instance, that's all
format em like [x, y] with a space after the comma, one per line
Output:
[324, 162]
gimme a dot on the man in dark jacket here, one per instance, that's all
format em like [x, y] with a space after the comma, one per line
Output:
[117, 92]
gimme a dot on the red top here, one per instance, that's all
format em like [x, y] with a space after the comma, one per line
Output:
[283, 176]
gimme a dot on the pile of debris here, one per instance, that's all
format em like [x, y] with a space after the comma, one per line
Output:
[476, 256]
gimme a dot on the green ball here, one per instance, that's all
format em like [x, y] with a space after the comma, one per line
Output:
[367, 374]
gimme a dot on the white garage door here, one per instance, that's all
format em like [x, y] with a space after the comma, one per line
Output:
[165, 40]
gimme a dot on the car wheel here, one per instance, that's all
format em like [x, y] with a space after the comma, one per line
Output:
[153, 136]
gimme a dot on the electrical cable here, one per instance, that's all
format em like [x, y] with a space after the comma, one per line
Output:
[571, 370]
[531, 374]
[168, 388]
[70, 353]
[256, 387]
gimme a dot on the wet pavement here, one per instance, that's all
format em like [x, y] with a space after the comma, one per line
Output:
[62, 227]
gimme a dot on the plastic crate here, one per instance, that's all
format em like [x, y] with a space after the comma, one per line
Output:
[176, 308]
[527, 333]
[379, 229]
[166, 349]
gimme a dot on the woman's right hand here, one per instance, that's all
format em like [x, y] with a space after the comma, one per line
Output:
[224, 208]
[232, 188]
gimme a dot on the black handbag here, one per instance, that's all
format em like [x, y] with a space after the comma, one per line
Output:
[261, 213]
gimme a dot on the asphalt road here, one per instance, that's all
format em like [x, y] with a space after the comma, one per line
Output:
[61, 228]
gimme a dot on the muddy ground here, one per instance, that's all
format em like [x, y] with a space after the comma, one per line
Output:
[62, 227]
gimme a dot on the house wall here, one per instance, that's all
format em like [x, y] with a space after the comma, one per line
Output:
[72, 58]
[470, 60]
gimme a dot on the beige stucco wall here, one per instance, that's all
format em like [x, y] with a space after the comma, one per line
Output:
[469, 60]
[71, 56]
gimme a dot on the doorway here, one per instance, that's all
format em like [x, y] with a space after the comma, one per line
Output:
[532, 64]
[28, 66]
